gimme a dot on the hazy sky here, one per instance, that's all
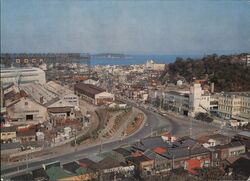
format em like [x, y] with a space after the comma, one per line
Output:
[135, 27]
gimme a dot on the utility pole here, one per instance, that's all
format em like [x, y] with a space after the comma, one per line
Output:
[27, 166]
[101, 146]
[190, 128]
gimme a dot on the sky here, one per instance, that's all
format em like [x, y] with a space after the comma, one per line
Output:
[125, 26]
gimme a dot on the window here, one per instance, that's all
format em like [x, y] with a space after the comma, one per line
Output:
[26, 103]
[29, 117]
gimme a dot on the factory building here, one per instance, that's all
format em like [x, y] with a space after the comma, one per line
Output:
[22, 75]
[93, 94]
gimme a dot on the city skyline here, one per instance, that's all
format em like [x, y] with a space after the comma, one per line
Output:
[130, 27]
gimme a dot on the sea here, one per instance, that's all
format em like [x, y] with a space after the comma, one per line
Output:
[138, 59]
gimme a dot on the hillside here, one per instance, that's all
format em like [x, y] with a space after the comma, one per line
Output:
[229, 73]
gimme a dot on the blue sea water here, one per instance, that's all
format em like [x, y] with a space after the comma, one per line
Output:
[138, 59]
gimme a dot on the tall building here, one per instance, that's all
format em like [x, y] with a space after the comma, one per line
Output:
[235, 105]
[199, 101]
[22, 75]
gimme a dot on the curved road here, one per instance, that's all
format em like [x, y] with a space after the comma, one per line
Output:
[154, 121]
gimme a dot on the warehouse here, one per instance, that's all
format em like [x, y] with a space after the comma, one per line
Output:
[22, 75]
[93, 94]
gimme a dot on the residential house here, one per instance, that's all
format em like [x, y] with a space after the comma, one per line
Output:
[40, 175]
[143, 165]
[26, 136]
[8, 134]
[121, 154]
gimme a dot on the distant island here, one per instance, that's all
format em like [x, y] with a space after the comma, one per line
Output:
[110, 55]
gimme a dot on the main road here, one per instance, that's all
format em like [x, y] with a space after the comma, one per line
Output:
[154, 121]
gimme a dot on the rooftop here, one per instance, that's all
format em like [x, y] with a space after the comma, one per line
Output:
[55, 173]
[122, 151]
[88, 89]
[71, 167]
[39, 173]
[8, 129]
[244, 133]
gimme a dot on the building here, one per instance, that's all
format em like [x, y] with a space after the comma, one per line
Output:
[8, 134]
[63, 92]
[92, 80]
[248, 60]
[143, 165]
[199, 100]
[230, 150]
[21, 108]
[235, 105]
[151, 65]
[93, 94]
[22, 75]
[26, 136]
[177, 101]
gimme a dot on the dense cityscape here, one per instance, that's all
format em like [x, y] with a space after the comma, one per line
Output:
[122, 116]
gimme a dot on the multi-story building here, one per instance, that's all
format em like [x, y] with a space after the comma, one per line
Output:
[234, 105]
[188, 102]
[199, 101]
[177, 101]
[22, 75]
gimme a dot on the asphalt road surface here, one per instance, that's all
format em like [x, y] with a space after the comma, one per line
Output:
[177, 126]
[153, 122]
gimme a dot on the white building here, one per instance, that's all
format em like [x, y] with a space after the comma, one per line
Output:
[199, 101]
[22, 75]
[63, 93]
[151, 65]
[24, 109]
[92, 81]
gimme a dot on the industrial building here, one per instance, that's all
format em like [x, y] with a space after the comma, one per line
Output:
[93, 94]
[22, 75]
[63, 92]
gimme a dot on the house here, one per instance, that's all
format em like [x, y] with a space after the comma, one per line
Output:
[121, 154]
[8, 134]
[92, 81]
[27, 135]
[61, 112]
[71, 167]
[56, 172]
[241, 168]
[25, 176]
[93, 94]
[214, 140]
[161, 164]
[143, 165]
[229, 150]
[243, 135]
[40, 175]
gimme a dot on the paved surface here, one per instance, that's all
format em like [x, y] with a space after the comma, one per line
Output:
[176, 125]
[152, 118]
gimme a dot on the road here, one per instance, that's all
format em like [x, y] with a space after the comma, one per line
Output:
[176, 125]
[154, 122]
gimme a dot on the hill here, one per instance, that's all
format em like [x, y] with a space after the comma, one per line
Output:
[228, 72]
